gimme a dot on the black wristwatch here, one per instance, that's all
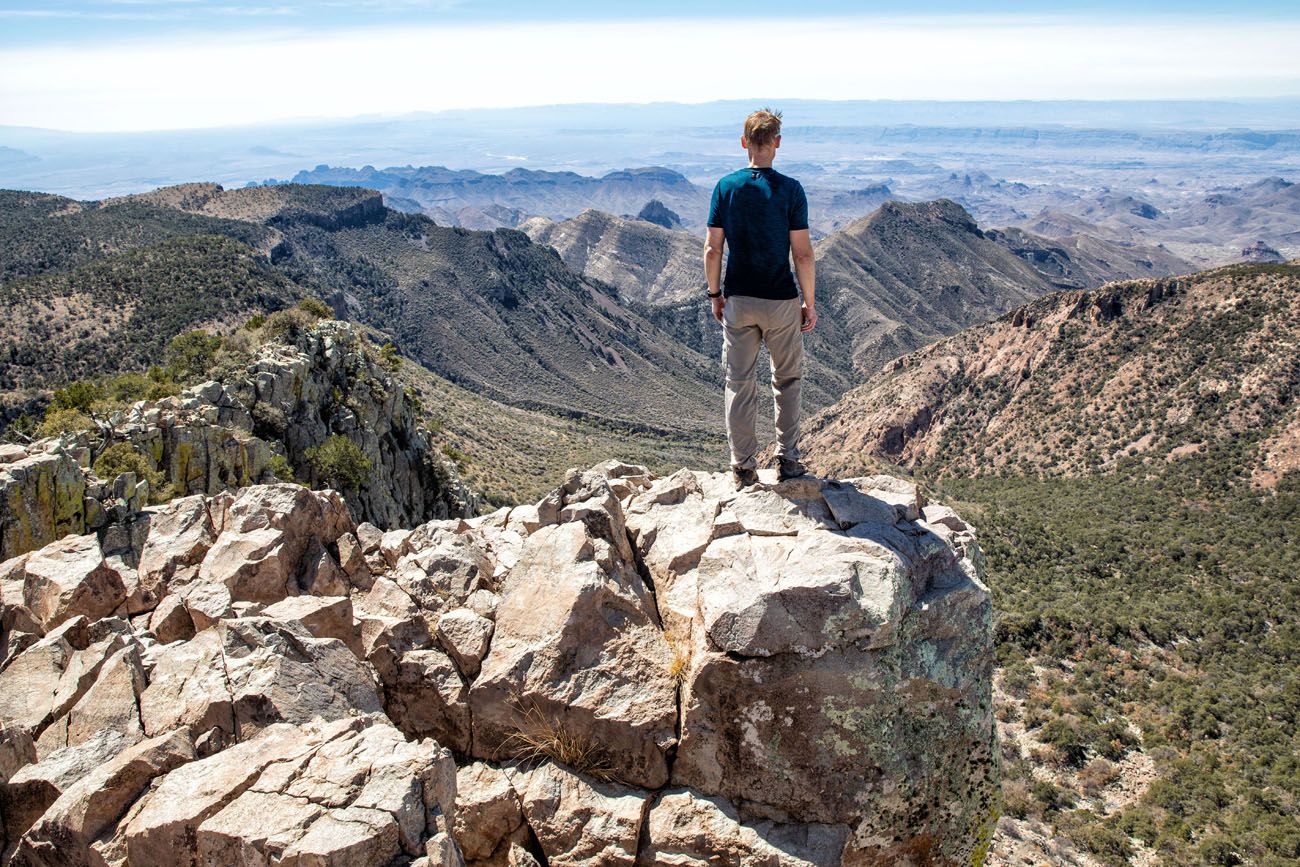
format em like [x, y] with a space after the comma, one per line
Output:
[717, 294]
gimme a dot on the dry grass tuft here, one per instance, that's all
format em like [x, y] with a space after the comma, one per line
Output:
[680, 663]
[540, 736]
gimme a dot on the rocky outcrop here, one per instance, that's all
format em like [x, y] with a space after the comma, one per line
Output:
[42, 498]
[223, 436]
[660, 214]
[635, 670]
[1261, 252]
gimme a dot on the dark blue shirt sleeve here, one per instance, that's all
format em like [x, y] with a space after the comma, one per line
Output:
[798, 208]
[715, 206]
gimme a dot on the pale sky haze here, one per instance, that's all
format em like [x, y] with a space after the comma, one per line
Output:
[163, 77]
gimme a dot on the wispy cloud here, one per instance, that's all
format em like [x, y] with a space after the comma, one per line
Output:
[222, 78]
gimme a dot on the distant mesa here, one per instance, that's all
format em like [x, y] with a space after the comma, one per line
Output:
[660, 214]
[1261, 252]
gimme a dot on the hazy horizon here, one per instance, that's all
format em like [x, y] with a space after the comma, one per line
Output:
[152, 65]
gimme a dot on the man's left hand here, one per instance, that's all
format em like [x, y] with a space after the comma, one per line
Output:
[718, 304]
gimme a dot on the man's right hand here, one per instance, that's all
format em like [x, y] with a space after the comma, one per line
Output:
[718, 304]
[809, 319]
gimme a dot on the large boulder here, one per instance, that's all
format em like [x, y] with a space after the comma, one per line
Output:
[688, 830]
[71, 578]
[348, 792]
[64, 833]
[840, 664]
[578, 654]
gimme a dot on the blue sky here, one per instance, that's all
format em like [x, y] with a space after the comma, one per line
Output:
[154, 64]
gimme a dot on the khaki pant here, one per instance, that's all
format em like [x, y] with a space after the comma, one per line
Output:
[748, 322]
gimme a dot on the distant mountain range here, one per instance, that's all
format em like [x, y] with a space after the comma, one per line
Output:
[1146, 372]
[453, 197]
[894, 281]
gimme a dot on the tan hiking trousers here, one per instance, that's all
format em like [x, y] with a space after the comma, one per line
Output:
[748, 322]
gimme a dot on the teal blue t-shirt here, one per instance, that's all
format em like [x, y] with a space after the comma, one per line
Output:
[757, 209]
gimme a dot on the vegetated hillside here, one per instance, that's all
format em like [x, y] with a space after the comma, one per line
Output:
[512, 455]
[496, 313]
[1146, 371]
[644, 261]
[118, 312]
[1129, 456]
[905, 276]
[490, 311]
[41, 233]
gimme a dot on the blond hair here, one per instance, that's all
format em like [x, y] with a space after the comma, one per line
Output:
[762, 127]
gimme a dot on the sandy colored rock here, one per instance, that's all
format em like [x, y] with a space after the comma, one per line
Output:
[489, 817]
[30, 683]
[348, 792]
[466, 637]
[279, 672]
[426, 697]
[180, 534]
[188, 687]
[61, 837]
[324, 617]
[163, 831]
[35, 786]
[578, 820]
[265, 533]
[69, 578]
[835, 642]
[170, 621]
[578, 646]
[110, 704]
[687, 830]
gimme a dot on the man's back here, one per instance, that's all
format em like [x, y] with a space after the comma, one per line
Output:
[757, 208]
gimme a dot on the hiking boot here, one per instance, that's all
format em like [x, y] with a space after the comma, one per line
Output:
[791, 469]
[744, 476]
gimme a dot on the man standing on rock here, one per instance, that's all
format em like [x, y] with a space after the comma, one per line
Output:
[762, 215]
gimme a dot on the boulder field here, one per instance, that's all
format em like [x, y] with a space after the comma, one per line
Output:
[635, 670]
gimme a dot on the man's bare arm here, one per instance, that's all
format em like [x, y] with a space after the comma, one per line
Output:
[714, 241]
[805, 272]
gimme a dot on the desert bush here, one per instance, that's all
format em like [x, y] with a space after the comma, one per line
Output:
[316, 308]
[63, 421]
[123, 458]
[340, 462]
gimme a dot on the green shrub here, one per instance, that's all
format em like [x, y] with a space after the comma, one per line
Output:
[62, 421]
[255, 322]
[340, 462]
[281, 468]
[389, 358]
[123, 458]
[316, 307]
[80, 395]
[287, 324]
[189, 355]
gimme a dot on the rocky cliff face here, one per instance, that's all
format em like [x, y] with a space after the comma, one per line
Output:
[635, 670]
[221, 436]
